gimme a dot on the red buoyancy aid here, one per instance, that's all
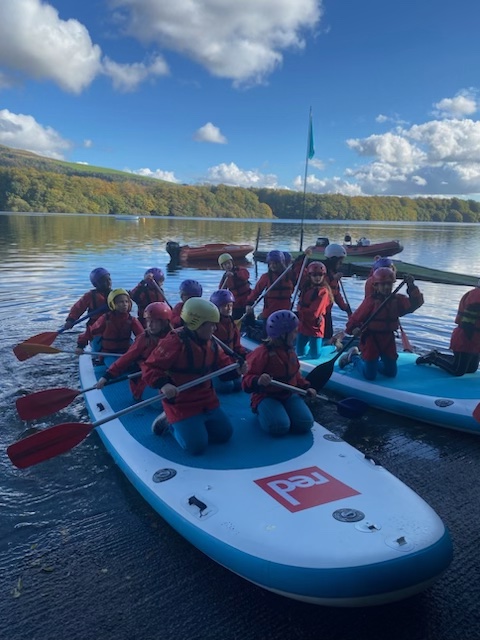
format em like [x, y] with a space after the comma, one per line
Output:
[281, 363]
[379, 338]
[467, 319]
[278, 298]
[179, 358]
[176, 321]
[115, 329]
[228, 332]
[138, 352]
[143, 295]
[90, 301]
[239, 285]
[312, 307]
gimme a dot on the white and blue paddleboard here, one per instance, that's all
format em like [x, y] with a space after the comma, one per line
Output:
[421, 392]
[308, 517]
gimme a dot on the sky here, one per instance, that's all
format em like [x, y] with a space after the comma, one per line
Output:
[220, 92]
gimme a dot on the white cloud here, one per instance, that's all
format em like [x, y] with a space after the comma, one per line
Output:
[236, 40]
[328, 185]
[232, 175]
[127, 77]
[169, 176]
[24, 132]
[209, 133]
[463, 104]
[88, 144]
[36, 42]
[439, 156]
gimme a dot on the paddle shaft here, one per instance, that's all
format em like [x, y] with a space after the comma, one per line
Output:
[160, 290]
[87, 316]
[299, 280]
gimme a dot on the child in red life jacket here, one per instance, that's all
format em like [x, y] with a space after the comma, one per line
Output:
[377, 341]
[188, 289]
[279, 411]
[148, 290]
[157, 317]
[334, 255]
[115, 327]
[315, 298]
[237, 280]
[464, 341]
[378, 263]
[228, 332]
[91, 300]
[185, 354]
[279, 296]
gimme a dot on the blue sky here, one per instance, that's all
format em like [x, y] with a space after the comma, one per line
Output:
[217, 91]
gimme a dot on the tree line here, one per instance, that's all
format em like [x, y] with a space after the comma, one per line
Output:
[32, 183]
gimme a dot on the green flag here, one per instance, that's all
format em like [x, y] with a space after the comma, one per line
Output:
[311, 146]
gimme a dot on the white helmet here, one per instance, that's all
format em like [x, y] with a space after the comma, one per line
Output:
[335, 251]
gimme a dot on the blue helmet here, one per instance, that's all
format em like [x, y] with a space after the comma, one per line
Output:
[280, 323]
[221, 297]
[275, 256]
[157, 274]
[191, 288]
[382, 262]
[97, 274]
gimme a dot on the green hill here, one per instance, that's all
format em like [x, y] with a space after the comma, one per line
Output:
[29, 182]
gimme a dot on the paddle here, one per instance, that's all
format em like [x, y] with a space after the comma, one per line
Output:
[299, 280]
[476, 412]
[43, 403]
[35, 349]
[345, 295]
[319, 376]
[405, 341]
[160, 290]
[62, 437]
[48, 337]
[351, 408]
[261, 297]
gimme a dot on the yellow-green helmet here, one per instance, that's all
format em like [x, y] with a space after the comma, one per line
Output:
[113, 294]
[223, 258]
[196, 311]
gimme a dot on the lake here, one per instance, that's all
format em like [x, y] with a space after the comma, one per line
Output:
[83, 556]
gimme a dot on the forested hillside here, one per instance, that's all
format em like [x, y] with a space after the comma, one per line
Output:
[33, 183]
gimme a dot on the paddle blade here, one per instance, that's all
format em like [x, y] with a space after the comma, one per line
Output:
[43, 403]
[352, 408]
[21, 350]
[322, 373]
[33, 349]
[47, 444]
[476, 413]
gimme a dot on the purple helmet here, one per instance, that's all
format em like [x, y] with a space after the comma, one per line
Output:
[158, 274]
[288, 257]
[280, 323]
[97, 274]
[276, 256]
[191, 288]
[382, 262]
[221, 297]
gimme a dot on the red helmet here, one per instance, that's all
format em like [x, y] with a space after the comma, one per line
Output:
[384, 274]
[316, 269]
[158, 311]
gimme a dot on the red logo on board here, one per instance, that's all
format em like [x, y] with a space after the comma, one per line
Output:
[305, 488]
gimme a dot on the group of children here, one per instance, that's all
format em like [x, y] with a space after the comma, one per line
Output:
[198, 337]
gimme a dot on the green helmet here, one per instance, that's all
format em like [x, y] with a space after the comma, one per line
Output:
[223, 258]
[196, 311]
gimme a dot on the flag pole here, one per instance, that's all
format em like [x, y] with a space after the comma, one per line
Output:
[309, 156]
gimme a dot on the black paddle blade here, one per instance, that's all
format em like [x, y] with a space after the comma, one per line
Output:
[47, 444]
[352, 408]
[322, 373]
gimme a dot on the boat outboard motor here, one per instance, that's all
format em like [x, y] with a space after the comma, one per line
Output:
[348, 238]
[173, 250]
[322, 242]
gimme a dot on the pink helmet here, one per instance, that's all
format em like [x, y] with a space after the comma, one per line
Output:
[384, 274]
[158, 311]
[316, 269]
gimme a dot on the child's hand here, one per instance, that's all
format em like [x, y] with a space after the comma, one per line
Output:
[169, 390]
[264, 380]
[311, 392]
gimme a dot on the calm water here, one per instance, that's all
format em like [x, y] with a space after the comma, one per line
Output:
[81, 554]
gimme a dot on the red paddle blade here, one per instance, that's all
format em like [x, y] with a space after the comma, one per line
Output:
[45, 338]
[43, 403]
[476, 413]
[47, 444]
